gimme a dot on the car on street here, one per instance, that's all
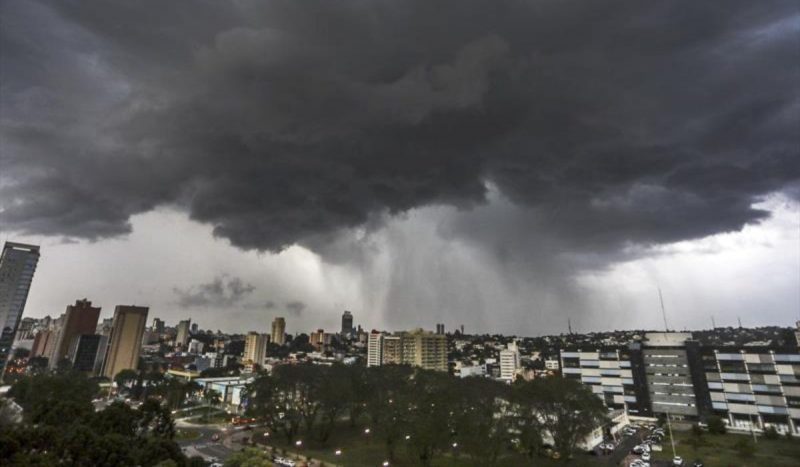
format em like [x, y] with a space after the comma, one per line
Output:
[677, 461]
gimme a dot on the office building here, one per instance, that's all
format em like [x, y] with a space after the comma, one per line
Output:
[125, 340]
[195, 347]
[80, 318]
[17, 266]
[25, 330]
[754, 387]
[182, 337]
[278, 331]
[83, 352]
[509, 363]
[255, 348]
[41, 342]
[669, 379]
[347, 323]
[195, 328]
[609, 373]
[375, 349]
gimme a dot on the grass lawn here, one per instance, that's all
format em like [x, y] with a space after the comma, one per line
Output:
[359, 450]
[186, 435]
[719, 451]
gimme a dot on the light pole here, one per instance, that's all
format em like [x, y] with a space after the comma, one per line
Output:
[671, 439]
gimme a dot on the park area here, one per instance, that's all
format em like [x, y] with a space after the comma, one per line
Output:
[733, 450]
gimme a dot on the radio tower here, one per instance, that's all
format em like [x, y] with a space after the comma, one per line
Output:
[663, 312]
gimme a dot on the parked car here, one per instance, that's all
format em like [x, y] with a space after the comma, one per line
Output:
[697, 463]
[677, 461]
[646, 456]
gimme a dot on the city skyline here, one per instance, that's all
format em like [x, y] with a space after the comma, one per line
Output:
[527, 165]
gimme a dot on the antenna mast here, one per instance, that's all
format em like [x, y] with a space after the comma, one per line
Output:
[569, 325]
[713, 324]
[663, 312]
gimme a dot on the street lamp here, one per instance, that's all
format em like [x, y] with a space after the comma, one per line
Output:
[298, 443]
[366, 431]
[385, 463]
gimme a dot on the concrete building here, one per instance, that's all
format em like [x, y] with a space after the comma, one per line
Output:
[255, 348]
[754, 387]
[195, 347]
[424, 349]
[41, 342]
[278, 331]
[182, 336]
[669, 378]
[439, 328]
[125, 340]
[375, 349]
[80, 318]
[347, 323]
[17, 266]
[392, 350]
[509, 363]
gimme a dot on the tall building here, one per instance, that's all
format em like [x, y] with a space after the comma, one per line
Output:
[17, 266]
[80, 318]
[279, 331]
[509, 362]
[158, 326]
[43, 339]
[83, 353]
[347, 323]
[668, 374]
[195, 327]
[797, 334]
[255, 348]
[440, 328]
[392, 350]
[425, 349]
[125, 340]
[182, 338]
[375, 349]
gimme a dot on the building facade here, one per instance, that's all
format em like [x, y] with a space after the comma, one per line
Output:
[347, 323]
[17, 266]
[83, 354]
[125, 340]
[278, 331]
[80, 318]
[255, 348]
[182, 336]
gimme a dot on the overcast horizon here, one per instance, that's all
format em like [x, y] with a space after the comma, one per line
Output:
[505, 166]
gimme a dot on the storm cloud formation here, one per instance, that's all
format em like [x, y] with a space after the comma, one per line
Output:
[223, 291]
[279, 121]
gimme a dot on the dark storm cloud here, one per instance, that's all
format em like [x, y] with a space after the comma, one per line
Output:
[296, 307]
[281, 122]
[223, 291]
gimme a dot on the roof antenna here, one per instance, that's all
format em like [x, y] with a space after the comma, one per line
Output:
[740, 322]
[663, 312]
[713, 324]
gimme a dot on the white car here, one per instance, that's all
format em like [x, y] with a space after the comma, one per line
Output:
[646, 456]
[677, 461]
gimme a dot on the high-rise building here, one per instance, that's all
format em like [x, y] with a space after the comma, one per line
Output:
[182, 338]
[279, 331]
[509, 362]
[668, 374]
[195, 328]
[255, 348]
[375, 349]
[797, 334]
[440, 328]
[83, 353]
[125, 340]
[425, 349]
[347, 323]
[158, 326]
[17, 265]
[392, 350]
[80, 318]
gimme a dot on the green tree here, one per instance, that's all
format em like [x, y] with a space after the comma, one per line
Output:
[126, 378]
[564, 409]
[482, 427]
[334, 398]
[211, 398]
[155, 419]
[430, 414]
[249, 457]
[716, 426]
[771, 433]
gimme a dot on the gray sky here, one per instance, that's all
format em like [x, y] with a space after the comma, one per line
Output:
[504, 165]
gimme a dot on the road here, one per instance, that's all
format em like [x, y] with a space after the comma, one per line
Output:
[204, 446]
